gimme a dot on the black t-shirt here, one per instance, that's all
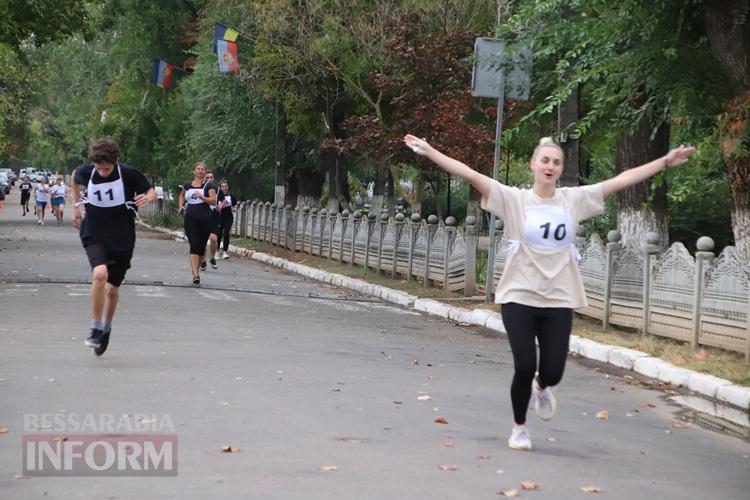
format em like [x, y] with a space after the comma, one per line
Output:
[200, 210]
[25, 186]
[112, 226]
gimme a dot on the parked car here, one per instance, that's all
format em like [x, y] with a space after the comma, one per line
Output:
[9, 174]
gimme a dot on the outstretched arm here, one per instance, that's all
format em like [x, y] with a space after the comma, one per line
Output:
[480, 181]
[676, 157]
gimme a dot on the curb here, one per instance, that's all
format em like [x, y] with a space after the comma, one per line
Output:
[640, 362]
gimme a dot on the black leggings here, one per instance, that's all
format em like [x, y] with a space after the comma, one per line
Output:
[552, 327]
[197, 232]
[225, 229]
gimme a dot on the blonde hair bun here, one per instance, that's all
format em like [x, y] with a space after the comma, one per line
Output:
[547, 141]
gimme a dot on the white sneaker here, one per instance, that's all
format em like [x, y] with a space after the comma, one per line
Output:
[225, 256]
[545, 403]
[519, 438]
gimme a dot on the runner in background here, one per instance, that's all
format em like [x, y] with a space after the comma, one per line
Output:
[226, 204]
[58, 192]
[41, 195]
[25, 188]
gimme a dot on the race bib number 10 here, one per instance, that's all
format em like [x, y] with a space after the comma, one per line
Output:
[548, 227]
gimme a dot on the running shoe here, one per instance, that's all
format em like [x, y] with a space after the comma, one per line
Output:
[196, 280]
[545, 402]
[519, 438]
[95, 338]
[203, 265]
[213, 264]
[103, 343]
[225, 256]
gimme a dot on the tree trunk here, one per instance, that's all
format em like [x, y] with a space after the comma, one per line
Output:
[305, 189]
[416, 207]
[568, 113]
[730, 45]
[376, 205]
[280, 154]
[632, 221]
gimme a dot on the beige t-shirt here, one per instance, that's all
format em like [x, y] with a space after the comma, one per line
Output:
[541, 269]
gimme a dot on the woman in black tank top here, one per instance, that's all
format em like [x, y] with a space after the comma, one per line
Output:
[195, 200]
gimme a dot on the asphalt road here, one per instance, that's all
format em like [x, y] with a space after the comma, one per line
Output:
[300, 377]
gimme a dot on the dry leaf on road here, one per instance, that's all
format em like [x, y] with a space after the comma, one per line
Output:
[424, 397]
[229, 449]
[19, 476]
[441, 420]
[602, 414]
[591, 489]
[328, 468]
[3, 430]
[448, 444]
[529, 485]
[508, 493]
[483, 456]
[448, 467]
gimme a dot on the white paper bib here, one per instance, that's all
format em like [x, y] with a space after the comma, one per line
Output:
[548, 227]
[106, 194]
[189, 195]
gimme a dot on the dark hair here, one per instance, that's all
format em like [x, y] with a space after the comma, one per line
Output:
[104, 150]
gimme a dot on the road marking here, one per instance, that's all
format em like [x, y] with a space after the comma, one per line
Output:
[18, 292]
[216, 295]
[150, 291]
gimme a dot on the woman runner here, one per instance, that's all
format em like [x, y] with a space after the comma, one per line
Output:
[225, 205]
[41, 193]
[541, 283]
[195, 200]
[57, 193]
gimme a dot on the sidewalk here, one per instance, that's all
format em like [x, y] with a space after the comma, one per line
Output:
[719, 392]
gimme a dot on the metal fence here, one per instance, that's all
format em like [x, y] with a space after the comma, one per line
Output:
[701, 299]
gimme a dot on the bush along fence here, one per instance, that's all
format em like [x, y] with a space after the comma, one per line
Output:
[703, 300]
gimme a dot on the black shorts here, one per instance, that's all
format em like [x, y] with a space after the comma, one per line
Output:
[117, 262]
[216, 222]
[25, 195]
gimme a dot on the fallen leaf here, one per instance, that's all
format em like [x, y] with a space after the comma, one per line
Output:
[551, 440]
[508, 493]
[328, 468]
[3, 430]
[591, 489]
[602, 414]
[396, 402]
[424, 397]
[483, 456]
[448, 467]
[678, 424]
[441, 420]
[229, 449]
[448, 444]
[19, 476]
[529, 485]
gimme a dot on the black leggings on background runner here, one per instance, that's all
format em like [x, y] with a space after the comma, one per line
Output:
[552, 327]
[226, 229]
[197, 232]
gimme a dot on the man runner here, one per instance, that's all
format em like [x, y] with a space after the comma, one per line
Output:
[113, 193]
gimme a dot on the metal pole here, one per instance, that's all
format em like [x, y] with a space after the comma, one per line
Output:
[495, 169]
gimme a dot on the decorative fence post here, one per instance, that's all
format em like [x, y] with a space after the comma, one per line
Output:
[370, 222]
[651, 248]
[356, 226]
[432, 221]
[450, 232]
[272, 216]
[472, 241]
[703, 258]
[396, 238]
[416, 220]
[243, 220]
[294, 218]
[613, 247]
[344, 223]
[264, 221]
[381, 231]
[313, 220]
[252, 217]
[332, 221]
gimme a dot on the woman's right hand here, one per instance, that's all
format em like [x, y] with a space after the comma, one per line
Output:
[419, 146]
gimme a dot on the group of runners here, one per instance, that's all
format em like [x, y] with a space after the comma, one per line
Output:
[539, 289]
[45, 194]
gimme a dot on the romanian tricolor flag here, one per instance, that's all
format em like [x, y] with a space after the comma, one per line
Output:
[221, 32]
[227, 56]
[162, 74]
